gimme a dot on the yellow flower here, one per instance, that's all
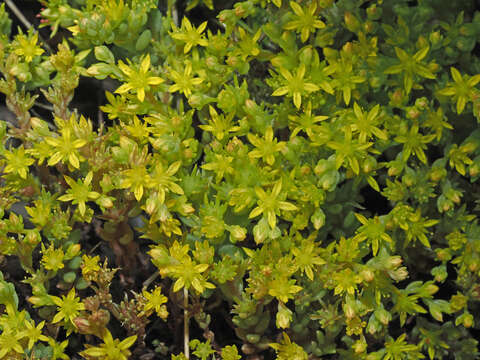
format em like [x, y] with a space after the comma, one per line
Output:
[296, 86]
[111, 349]
[305, 21]
[191, 36]
[27, 46]
[270, 204]
[138, 80]
[66, 148]
[79, 193]
[52, 259]
[462, 88]
[155, 302]
[184, 82]
[34, 333]
[90, 265]
[68, 307]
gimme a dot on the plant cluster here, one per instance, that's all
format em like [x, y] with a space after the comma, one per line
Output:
[264, 178]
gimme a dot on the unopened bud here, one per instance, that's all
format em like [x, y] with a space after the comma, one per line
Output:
[399, 274]
[422, 42]
[383, 316]
[305, 170]
[91, 303]
[73, 250]
[238, 233]
[474, 170]
[436, 174]
[368, 275]
[150, 205]
[284, 316]
[359, 346]
[397, 97]
[443, 254]
[394, 261]
[348, 48]
[250, 104]
[104, 201]
[468, 320]
[373, 12]
[83, 325]
[233, 61]
[349, 311]
[413, 113]
[468, 147]
[431, 289]
[211, 62]
[32, 237]
[100, 318]
[368, 26]
[351, 21]
[435, 37]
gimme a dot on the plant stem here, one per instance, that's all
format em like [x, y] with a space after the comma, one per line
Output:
[18, 14]
[186, 333]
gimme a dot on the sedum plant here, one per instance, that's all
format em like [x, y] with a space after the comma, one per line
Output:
[262, 179]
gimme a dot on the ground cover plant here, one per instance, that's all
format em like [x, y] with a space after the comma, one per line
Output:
[208, 179]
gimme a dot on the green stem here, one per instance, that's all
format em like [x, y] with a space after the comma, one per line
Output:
[186, 333]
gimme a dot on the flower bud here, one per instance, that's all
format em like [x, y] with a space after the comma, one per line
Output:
[32, 237]
[440, 273]
[351, 22]
[474, 169]
[368, 26]
[468, 147]
[72, 251]
[211, 62]
[367, 274]
[413, 113]
[83, 325]
[421, 103]
[435, 38]
[422, 42]
[443, 254]
[253, 338]
[233, 61]
[408, 179]
[238, 233]
[35, 300]
[444, 204]
[318, 218]
[383, 315]
[360, 346]
[394, 262]
[399, 274]
[91, 303]
[349, 310]
[105, 202]
[305, 170]
[100, 318]
[284, 316]
[306, 55]
[431, 289]
[373, 325]
[348, 48]
[468, 320]
[397, 98]
[458, 302]
[369, 164]
[437, 173]
[373, 12]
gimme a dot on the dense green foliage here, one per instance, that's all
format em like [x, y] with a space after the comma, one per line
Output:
[264, 178]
